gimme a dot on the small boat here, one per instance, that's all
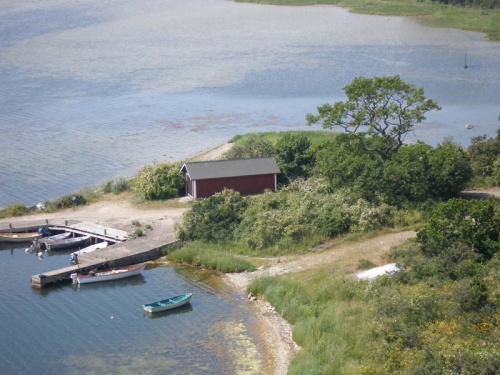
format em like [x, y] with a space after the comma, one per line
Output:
[19, 237]
[66, 243]
[110, 274]
[56, 237]
[168, 303]
[88, 249]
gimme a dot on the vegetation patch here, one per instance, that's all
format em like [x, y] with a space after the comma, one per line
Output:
[210, 256]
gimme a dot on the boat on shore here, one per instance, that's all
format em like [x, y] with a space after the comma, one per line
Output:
[168, 303]
[19, 237]
[67, 243]
[88, 249]
[109, 274]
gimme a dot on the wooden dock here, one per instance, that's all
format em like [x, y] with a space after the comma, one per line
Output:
[77, 227]
[124, 252]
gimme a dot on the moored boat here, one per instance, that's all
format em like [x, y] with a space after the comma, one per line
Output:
[168, 303]
[88, 249]
[19, 237]
[66, 243]
[56, 237]
[110, 274]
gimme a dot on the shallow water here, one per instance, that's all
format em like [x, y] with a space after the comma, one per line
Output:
[95, 90]
[102, 329]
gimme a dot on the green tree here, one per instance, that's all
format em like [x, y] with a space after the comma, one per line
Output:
[473, 223]
[483, 152]
[383, 108]
[294, 156]
[160, 181]
[451, 170]
[345, 164]
[253, 148]
[407, 175]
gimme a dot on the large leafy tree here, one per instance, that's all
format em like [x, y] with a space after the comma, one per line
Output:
[384, 109]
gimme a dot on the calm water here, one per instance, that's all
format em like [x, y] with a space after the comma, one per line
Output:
[101, 328]
[94, 90]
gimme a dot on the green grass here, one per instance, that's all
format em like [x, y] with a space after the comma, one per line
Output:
[212, 256]
[316, 136]
[431, 14]
[330, 318]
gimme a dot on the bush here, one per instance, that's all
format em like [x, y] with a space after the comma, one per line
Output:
[116, 186]
[17, 209]
[213, 219]
[253, 148]
[70, 200]
[160, 181]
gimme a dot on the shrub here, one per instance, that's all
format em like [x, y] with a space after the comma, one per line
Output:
[116, 186]
[364, 264]
[160, 181]
[213, 219]
[17, 209]
[70, 200]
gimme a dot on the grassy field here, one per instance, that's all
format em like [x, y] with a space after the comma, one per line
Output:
[432, 14]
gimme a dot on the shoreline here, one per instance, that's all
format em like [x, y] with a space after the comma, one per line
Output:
[274, 332]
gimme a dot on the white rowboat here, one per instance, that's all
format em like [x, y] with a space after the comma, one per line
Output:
[110, 274]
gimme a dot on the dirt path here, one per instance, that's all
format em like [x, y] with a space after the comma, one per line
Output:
[275, 331]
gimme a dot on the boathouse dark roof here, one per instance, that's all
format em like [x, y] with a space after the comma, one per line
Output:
[231, 168]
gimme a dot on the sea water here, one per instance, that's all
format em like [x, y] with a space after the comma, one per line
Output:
[102, 329]
[95, 90]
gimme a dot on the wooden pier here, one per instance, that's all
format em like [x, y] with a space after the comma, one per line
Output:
[124, 252]
[77, 227]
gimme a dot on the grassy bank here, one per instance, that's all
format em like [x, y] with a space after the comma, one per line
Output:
[432, 14]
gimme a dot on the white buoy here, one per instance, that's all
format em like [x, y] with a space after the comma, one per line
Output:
[40, 254]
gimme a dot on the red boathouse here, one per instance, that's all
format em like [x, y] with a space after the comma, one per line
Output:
[247, 176]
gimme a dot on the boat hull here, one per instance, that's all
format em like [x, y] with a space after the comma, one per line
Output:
[67, 243]
[108, 275]
[168, 303]
[91, 248]
[19, 237]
